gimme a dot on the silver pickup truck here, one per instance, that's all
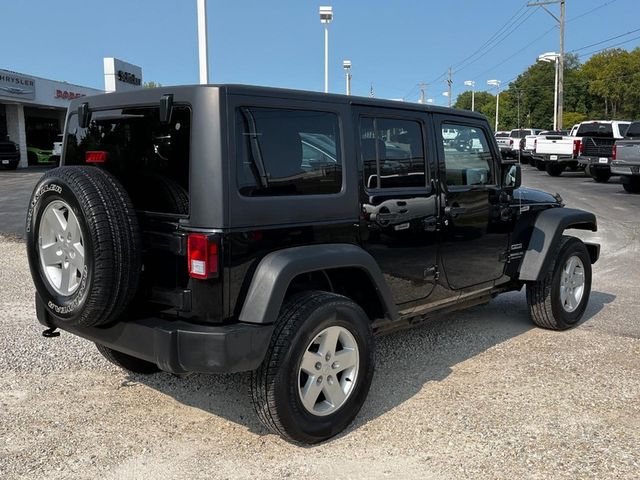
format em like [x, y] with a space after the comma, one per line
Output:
[626, 159]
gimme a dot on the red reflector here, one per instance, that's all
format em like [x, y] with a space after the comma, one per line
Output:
[576, 146]
[202, 256]
[615, 153]
[95, 156]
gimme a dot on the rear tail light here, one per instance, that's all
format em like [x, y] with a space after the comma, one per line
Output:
[95, 156]
[577, 147]
[202, 256]
[511, 142]
[615, 153]
[580, 147]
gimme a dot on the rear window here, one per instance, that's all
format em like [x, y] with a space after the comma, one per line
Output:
[520, 133]
[502, 134]
[634, 130]
[288, 152]
[595, 129]
[149, 158]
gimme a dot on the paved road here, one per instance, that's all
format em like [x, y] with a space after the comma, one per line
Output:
[15, 190]
[478, 394]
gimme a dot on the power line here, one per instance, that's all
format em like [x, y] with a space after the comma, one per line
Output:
[611, 46]
[606, 40]
[516, 53]
[492, 36]
[591, 11]
[499, 41]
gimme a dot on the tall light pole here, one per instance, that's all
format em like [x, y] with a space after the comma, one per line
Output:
[553, 57]
[203, 54]
[496, 83]
[326, 16]
[472, 84]
[561, 22]
[346, 64]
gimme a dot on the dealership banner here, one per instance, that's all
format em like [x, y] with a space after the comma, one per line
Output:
[16, 85]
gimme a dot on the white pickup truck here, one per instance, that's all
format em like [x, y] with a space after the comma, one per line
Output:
[555, 152]
[502, 139]
[530, 142]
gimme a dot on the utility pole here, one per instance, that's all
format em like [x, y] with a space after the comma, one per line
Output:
[423, 87]
[561, 22]
[203, 54]
[449, 83]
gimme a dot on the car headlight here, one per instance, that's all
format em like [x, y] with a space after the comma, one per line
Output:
[17, 147]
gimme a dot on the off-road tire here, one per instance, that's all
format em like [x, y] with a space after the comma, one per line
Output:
[632, 185]
[111, 238]
[554, 169]
[543, 296]
[127, 362]
[274, 385]
[599, 175]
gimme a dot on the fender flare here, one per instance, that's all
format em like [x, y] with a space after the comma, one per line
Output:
[548, 228]
[277, 269]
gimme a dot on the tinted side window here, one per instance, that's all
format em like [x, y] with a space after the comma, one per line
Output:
[287, 152]
[392, 153]
[468, 159]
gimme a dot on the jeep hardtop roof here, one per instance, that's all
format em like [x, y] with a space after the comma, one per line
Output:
[146, 95]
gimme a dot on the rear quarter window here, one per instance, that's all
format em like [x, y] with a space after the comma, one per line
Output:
[286, 152]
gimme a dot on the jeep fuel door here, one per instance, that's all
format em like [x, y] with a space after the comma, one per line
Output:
[398, 222]
[473, 237]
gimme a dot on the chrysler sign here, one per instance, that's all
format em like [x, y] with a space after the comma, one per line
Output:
[16, 85]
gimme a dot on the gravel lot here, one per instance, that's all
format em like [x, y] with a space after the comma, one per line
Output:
[479, 394]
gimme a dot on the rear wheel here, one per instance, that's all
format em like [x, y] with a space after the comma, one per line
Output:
[632, 185]
[600, 175]
[127, 362]
[318, 369]
[559, 300]
[554, 169]
[540, 165]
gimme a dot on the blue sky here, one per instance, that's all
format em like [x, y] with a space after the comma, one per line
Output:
[392, 44]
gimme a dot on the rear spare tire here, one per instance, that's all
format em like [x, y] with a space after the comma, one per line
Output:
[83, 245]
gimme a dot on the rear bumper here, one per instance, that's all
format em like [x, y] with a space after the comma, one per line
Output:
[595, 161]
[177, 346]
[624, 168]
[548, 157]
[7, 159]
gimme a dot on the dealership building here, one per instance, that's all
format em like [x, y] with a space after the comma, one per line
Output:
[32, 109]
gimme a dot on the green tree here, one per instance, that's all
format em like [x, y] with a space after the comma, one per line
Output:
[607, 75]
[485, 103]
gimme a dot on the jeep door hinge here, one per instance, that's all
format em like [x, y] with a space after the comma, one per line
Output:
[432, 272]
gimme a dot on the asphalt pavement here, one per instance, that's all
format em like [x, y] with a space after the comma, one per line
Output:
[476, 394]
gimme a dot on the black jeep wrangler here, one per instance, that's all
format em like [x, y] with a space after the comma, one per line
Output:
[234, 228]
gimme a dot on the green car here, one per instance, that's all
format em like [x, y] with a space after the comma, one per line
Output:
[38, 156]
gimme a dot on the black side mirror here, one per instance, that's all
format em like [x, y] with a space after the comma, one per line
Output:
[511, 176]
[84, 115]
[166, 108]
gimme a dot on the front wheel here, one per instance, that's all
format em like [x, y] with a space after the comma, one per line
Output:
[318, 369]
[559, 300]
